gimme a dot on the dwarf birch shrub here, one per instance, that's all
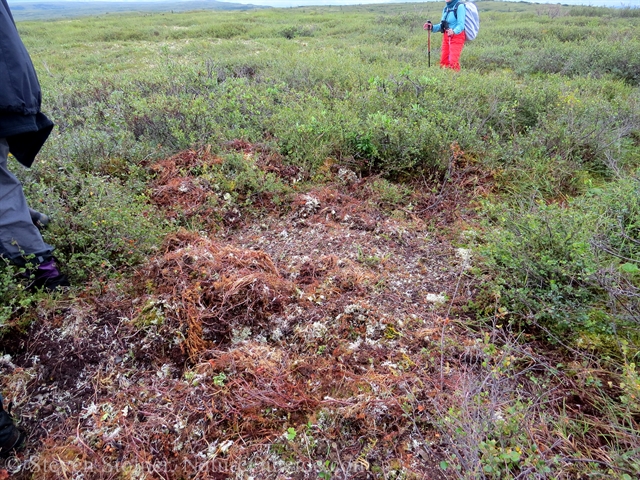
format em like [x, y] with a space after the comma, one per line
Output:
[395, 127]
[542, 263]
[15, 299]
[584, 47]
[100, 227]
[571, 270]
[604, 12]
[550, 139]
[613, 57]
[490, 425]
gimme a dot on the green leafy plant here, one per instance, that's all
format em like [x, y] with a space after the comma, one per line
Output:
[219, 379]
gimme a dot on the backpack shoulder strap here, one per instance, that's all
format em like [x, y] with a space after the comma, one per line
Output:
[455, 10]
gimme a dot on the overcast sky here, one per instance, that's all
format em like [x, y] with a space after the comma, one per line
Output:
[300, 3]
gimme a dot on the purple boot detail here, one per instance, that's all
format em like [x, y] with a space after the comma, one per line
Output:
[47, 270]
[48, 276]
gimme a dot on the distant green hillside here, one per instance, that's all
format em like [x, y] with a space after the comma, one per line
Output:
[57, 10]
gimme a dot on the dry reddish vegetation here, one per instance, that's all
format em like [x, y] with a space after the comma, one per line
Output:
[294, 345]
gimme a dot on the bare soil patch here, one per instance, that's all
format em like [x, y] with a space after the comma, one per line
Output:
[290, 346]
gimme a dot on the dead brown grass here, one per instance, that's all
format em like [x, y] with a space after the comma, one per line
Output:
[181, 193]
[216, 288]
[297, 345]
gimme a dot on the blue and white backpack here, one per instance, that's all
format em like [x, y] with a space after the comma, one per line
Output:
[471, 20]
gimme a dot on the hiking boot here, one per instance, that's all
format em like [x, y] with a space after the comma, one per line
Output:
[11, 438]
[48, 277]
[40, 220]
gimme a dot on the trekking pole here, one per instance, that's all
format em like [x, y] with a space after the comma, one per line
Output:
[429, 48]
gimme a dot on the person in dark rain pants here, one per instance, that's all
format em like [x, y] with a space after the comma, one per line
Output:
[23, 131]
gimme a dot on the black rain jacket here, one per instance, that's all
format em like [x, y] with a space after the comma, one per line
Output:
[20, 91]
[25, 128]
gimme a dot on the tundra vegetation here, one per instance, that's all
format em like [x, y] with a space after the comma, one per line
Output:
[299, 252]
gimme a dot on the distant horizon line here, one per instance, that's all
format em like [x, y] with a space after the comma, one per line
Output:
[26, 10]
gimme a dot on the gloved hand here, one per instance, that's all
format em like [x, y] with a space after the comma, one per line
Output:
[428, 25]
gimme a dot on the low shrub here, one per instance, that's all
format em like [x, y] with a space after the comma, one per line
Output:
[15, 298]
[100, 228]
[572, 269]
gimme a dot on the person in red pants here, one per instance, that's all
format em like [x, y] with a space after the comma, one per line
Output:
[452, 27]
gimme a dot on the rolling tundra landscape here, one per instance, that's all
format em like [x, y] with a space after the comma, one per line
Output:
[24, 10]
[299, 249]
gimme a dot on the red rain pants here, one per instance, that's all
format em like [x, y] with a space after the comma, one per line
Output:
[451, 50]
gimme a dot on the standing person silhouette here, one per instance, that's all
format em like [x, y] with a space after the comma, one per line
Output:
[23, 131]
[452, 27]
